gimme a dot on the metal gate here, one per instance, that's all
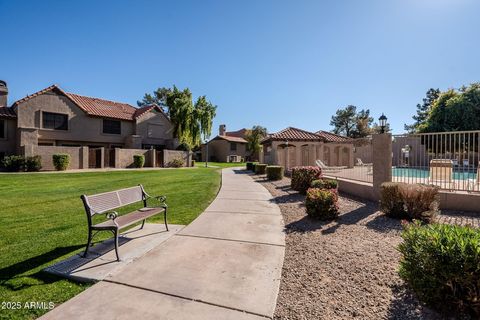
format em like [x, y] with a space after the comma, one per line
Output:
[94, 158]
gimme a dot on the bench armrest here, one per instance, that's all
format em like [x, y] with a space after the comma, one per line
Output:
[160, 199]
[112, 215]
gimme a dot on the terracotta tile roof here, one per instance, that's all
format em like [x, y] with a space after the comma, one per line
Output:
[231, 139]
[6, 112]
[294, 134]
[143, 110]
[239, 133]
[97, 107]
[103, 108]
[332, 137]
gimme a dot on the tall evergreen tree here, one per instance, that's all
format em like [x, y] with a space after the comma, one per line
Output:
[423, 110]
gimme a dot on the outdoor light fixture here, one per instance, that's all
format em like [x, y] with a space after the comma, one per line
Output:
[383, 123]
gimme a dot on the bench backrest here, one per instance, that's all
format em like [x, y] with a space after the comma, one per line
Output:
[103, 202]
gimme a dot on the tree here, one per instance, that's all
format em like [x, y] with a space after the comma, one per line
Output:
[423, 110]
[189, 120]
[454, 110]
[349, 123]
[254, 136]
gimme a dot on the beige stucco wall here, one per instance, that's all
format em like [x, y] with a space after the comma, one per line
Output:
[78, 155]
[82, 129]
[155, 129]
[220, 150]
[124, 157]
[305, 153]
[169, 155]
[8, 144]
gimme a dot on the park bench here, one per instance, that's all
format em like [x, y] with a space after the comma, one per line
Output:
[106, 203]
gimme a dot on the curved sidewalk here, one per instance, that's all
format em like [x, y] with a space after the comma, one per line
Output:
[225, 265]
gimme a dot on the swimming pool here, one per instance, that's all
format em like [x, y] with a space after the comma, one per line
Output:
[424, 173]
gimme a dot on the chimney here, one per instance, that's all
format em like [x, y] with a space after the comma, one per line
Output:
[222, 129]
[3, 93]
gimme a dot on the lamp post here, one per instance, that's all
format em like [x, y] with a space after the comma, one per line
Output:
[382, 122]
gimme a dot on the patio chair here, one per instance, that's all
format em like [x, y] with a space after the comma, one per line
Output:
[324, 167]
[441, 173]
[360, 163]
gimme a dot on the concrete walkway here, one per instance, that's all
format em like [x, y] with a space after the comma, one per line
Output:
[224, 265]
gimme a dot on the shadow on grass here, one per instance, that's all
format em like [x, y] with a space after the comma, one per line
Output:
[22, 267]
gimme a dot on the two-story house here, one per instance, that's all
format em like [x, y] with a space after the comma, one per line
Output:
[53, 117]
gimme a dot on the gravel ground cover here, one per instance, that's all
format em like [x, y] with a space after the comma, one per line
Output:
[342, 269]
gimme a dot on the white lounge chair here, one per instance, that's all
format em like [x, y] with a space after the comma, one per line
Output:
[324, 167]
[361, 164]
[441, 173]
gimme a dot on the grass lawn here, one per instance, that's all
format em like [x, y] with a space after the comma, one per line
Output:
[42, 220]
[220, 164]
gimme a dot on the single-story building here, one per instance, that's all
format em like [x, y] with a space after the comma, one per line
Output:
[292, 147]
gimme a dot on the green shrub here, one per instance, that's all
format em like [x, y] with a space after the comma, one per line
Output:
[420, 201]
[274, 172]
[391, 201]
[442, 265]
[253, 166]
[322, 203]
[249, 166]
[176, 163]
[325, 183]
[14, 163]
[61, 161]
[33, 163]
[260, 168]
[302, 178]
[138, 160]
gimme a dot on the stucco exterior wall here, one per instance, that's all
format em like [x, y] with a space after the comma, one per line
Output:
[155, 129]
[124, 157]
[219, 150]
[78, 155]
[81, 128]
[305, 153]
[169, 155]
[8, 144]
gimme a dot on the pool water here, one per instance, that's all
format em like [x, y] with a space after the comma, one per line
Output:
[424, 173]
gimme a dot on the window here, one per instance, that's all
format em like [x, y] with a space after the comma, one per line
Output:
[233, 146]
[55, 121]
[112, 126]
[3, 129]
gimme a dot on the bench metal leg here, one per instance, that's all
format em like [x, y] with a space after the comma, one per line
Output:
[165, 218]
[143, 223]
[116, 244]
[88, 242]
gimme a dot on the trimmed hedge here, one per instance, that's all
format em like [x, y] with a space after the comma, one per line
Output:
[33, 163]
[138, 160]
[302, 177]
[260, 168]
[13, 163]
[176, 163]
[409, 201]
[325, 183]
[249, 166]
[442, 265]
[61, 161]
[274, 172]
[322, 203]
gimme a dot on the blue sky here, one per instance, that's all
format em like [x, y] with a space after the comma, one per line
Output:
[273, 63]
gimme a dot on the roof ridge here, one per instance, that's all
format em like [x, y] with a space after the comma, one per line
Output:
[101, 99]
